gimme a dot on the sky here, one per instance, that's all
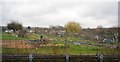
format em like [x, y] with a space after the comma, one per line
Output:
[43, 13]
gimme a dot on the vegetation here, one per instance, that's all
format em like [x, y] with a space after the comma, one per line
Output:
[15, 26]
[72, 50]
[73, 27]
[22, 33]
[10, 36]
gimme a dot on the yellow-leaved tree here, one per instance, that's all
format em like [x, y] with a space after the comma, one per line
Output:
[73, 27]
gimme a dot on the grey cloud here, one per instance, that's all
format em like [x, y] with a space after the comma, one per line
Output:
[58, 13]
[98, 9]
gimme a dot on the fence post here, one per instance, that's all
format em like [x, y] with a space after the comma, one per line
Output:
[67, 58]
[30, 57]
[100, 57]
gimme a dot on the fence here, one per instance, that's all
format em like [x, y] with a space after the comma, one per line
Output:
[65, 58]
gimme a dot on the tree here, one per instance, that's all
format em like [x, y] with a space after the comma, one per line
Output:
[15, 26]
[99, 29]
[28, 27]
[73, 27]
[99, 26]
[22, 33]
[100, 32]
[3, 28]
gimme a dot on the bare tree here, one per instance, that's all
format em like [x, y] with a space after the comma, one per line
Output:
[15, 26]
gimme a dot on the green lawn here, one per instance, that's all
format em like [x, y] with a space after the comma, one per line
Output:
[9, 36]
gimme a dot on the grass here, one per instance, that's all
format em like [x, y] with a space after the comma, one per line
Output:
[72, 49]
[9, 36]
[80, 49]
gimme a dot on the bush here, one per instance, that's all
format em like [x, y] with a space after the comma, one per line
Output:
[22, 33]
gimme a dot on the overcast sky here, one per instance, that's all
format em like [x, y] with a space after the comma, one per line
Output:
[59, 12]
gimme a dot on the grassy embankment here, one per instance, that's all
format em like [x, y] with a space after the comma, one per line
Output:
[60, 50]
